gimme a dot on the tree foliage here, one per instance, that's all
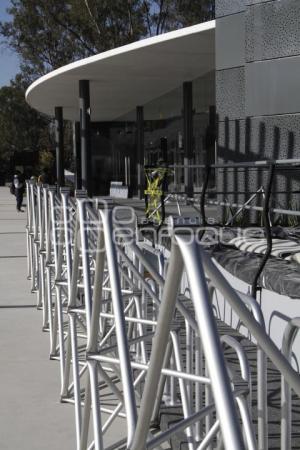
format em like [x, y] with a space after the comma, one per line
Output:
[168, 15]
[49, 34]
[21, 127]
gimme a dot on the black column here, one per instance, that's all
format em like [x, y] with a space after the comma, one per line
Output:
[188, 135]
[164, 149]
[85, 136]
[59, 144]
[140, 150]
[77, 155]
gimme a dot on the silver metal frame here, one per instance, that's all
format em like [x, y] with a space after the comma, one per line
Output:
[125, 329]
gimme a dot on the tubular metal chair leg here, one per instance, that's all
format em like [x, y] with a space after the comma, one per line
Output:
[93, 373]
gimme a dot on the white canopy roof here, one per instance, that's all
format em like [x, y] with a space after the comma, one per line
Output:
[128, 76]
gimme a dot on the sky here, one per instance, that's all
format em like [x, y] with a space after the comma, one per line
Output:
[9, 63]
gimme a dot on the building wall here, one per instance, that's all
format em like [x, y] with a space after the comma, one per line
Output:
[258, 91]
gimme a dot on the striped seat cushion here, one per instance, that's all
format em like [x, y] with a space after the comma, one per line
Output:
[280, 248]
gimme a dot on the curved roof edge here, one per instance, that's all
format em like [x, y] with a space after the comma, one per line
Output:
[50, 83]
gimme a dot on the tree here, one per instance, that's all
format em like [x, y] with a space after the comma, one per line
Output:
[21, 127]
[49, 34]
[167, 15]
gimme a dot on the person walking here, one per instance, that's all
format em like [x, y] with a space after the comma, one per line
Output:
[19, 189]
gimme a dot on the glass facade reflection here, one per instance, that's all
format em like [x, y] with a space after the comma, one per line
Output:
[114, 143]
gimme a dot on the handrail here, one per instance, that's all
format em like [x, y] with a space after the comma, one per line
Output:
[288, 212]
[263, 163]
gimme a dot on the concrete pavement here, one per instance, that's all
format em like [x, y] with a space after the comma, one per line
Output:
[31, 416]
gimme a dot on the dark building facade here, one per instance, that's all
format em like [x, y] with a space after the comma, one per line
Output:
[114, 143]
[257, 92]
